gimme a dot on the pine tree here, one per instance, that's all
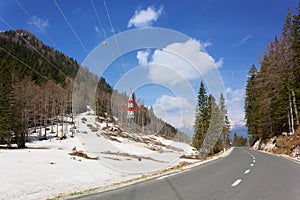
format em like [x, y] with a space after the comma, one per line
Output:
[239, 140]
[295, 35]
[226, 123]
[250, 102]
[5, 103]
[287, 23]
[201, 117]
[272, 94]
[235, 138]
[213, 127]
[265, 95]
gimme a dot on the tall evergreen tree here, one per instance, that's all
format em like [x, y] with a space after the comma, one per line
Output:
[273, 92]
[214, 125]
[5, 103]
[226, 123]
[287, 26]
[295, 35]
[250, 102]
[239, 140]
[200, 117]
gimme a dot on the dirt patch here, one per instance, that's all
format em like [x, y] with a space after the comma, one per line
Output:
[156, 148]
[189, 157]
[176, 167]
[174, 148]
[92, 128]
[112, 138]
[132, 156]
[82, 154]
[287, 144]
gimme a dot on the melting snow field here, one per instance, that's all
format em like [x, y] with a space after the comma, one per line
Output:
[46, 169]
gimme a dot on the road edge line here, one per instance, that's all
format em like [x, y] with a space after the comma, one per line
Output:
[142, 178]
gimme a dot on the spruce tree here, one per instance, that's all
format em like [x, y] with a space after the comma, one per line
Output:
[295, 35]
[213, 127]
[5, 103]
[250, 102]
[226, 123]
[200, 117]
[273, 93]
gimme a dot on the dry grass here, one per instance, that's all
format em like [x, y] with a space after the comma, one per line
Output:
[177, 167]
[131, 156]
[83, 155]
[189, 156]
[286, 145]
[112, 138]
[156, 148]
[92, 128]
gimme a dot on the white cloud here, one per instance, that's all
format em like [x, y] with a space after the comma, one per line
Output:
[206, 44]
[188, 60]
[219, 63]
[144, 18]
[235, 104]
[38, 22]
[142, 57]
[177, 111]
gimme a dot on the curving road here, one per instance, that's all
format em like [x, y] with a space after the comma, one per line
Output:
[243, 175]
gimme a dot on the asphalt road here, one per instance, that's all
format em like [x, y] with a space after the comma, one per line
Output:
[244, 174]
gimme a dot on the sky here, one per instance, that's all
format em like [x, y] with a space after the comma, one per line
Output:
[222, 37]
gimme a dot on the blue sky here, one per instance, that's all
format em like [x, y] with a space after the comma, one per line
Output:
[233, 33]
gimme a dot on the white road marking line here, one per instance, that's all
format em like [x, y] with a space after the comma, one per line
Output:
[253, 160]
[236, 183]
[166, 176]
[253, 157]
[251, 164]
[295, 161]
[247, 171]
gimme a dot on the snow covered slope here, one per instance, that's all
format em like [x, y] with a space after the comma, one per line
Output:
[99, 154]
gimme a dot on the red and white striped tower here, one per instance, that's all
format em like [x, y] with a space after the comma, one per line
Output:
[131, 107]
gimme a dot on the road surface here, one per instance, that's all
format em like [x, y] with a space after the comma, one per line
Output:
[243, 175]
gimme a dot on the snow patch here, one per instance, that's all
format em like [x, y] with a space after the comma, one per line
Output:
[46, 169]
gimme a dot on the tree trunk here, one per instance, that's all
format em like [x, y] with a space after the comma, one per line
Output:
[289, 122]
[9, 139]
[295, 107]
[291, 113]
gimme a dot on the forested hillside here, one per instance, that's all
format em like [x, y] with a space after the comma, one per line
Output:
[36, 84]
[272, 99]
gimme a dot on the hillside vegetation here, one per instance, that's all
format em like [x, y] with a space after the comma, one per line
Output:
[272, 99]
[36, 84]
[281, 144]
